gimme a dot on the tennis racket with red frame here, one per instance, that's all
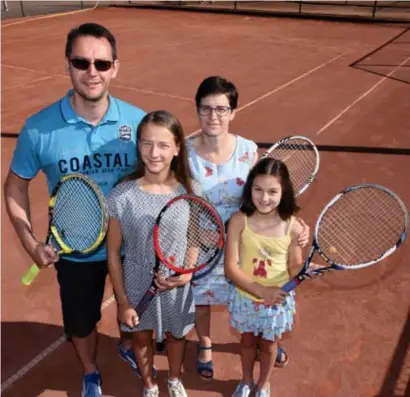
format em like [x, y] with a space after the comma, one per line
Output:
[188, 236]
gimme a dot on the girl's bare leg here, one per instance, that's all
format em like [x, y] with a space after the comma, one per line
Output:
[248, 356]
[175, 352]
[142, 345]
[268, 351]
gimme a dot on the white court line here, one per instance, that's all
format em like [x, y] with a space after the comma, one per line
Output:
[281, 87]
[27, 84]
[25, 69]
[290, 82]
[42, 355]
[49, 16]
[45, 353]
[113, 85]
[152, 92]
[345, 110]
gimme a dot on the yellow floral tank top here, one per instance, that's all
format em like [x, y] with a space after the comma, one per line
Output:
[264, 259]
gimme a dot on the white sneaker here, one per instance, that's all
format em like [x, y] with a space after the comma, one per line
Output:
[242, 390]
[154, 392]
[263, 393]
[176, 390]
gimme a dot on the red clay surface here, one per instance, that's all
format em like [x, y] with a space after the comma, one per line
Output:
[352, 332]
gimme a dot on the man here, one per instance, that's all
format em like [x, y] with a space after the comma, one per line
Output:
[90, 132]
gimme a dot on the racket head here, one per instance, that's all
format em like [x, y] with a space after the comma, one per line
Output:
[361, 226]
[77, 215]
[188, 234]
[208, 269]
[301, 157]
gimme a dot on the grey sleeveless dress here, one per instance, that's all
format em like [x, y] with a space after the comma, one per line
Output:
[170, 311]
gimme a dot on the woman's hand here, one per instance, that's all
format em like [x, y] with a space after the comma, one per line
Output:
[127, 315]
[303, 238]
[165, 284]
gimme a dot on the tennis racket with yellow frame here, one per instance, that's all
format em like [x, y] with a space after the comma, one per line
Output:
[77, 219]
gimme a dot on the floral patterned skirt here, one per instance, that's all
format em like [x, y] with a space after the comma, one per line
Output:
[248, 315]
[213, 289]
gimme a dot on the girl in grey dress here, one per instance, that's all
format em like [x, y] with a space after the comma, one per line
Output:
[162, 173]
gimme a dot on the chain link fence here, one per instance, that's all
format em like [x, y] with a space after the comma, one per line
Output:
[394, 11]
[18, 9]
[360, 10]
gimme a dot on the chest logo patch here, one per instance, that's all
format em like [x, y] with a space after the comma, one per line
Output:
[125, 133]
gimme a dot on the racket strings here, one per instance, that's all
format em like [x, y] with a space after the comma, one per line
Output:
[301, 159]
[189, 234]
[356, 245]
[80, 221]
[385, 215]
[361, 226]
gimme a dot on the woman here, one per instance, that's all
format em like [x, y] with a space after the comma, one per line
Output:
[220, 161]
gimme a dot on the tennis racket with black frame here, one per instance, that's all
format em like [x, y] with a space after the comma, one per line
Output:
[301, 157]
[188, 236]
[77, 219]
[359, 227]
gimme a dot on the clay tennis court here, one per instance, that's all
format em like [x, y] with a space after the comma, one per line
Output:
[346, 86]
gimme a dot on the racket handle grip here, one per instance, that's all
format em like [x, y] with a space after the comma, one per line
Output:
[290, 285]
[30, 274]
[144, 302]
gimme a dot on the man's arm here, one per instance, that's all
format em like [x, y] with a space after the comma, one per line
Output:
[18, 208]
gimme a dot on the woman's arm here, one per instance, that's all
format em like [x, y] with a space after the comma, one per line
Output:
[16, 198]
[255, 159]
[304, 234]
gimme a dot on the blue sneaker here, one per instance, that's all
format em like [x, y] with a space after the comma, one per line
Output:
[129, 357]
[92, 385]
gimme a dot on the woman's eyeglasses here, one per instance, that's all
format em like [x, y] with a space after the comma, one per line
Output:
[219, 110]
[83, 64]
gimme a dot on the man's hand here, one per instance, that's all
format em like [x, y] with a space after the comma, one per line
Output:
[44, 255]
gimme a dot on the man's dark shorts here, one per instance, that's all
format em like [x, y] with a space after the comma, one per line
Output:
[81, 291]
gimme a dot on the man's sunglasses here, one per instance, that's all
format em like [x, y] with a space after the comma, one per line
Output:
[83, 64]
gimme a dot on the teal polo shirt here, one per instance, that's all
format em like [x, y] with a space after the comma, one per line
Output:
[59, 142]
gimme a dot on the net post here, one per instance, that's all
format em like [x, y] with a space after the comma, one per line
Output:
[22, 9]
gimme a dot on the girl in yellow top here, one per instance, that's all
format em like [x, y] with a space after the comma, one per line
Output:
[261, 255]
